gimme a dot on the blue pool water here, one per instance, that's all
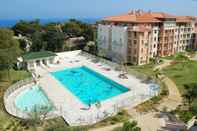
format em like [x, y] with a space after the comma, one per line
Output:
[31, 99]
[88, 85]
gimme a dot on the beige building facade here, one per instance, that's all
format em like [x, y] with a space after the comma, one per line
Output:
[138, 36]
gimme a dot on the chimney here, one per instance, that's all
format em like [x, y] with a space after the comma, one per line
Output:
[131, 12]
[139, 12]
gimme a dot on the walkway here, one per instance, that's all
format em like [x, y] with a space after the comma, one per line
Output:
[174, 98]
[194, 57]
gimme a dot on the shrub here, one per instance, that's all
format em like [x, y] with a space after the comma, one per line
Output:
[156, 99]
[193, 108]
[130, 126]
[184, 115]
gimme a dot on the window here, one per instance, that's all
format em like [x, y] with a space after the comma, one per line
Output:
[142, 50]
[135, 34]
[142, 42]
[134, 58]
[155, 39]
[135, 52]
[135, 42]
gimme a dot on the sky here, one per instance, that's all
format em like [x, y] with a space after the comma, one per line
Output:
[45, 9]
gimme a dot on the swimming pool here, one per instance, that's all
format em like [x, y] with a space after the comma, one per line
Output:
[88, 85]
[31, 99]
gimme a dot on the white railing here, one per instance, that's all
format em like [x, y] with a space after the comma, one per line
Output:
[98, 114]
[113, 65]
[9, 104]
[16, 86]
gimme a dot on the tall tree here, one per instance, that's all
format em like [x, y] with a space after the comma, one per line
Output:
[9, 49]
[37, 42]
[27, 28]
[55, 40]
[76, 28]
[191, 92]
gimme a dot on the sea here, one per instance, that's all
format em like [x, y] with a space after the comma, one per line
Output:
[11, 23]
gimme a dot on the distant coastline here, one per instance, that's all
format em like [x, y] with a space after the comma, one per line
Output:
[10, 23]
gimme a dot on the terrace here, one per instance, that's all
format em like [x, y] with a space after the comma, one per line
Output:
[69, 106]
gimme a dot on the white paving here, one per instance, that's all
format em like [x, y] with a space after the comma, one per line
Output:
[70, 107]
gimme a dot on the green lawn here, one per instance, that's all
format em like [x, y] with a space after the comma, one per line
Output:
[143, 70]
[182, 75]
[6, 121]
[173, 57]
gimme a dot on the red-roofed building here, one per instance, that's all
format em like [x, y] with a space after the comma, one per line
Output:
[138, 36]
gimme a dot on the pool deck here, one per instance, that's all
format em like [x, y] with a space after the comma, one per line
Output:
[72, 109]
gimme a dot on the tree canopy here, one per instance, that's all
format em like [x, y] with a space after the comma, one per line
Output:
[52, 36]
[9, 49]
[27, 28]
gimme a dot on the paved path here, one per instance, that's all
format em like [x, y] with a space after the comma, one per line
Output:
[194, 57]
[107, 128]
[174, 98]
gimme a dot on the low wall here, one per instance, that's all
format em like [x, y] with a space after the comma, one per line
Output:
[9, 102]
[10, 96]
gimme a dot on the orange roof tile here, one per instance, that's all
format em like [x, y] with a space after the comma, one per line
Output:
[121, 18]
[185, 18]
[162, 15]
[146, 17]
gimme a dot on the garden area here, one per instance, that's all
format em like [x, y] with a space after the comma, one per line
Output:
[185, 77]
[183, 72]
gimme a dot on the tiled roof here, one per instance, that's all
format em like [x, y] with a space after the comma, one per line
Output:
[38, 55]
[145, 17]
[162, 15]
[185, 18]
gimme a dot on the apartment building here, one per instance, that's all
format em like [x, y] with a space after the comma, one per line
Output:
[194, 39]
[138, 36]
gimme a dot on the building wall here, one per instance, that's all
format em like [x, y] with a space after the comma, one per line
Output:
[119, 43]
[194, 42]
[185, 31]
[104, 39]
[112, 41]
[154, 40]
[143, 49]
[138, 47]
[164, 39]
